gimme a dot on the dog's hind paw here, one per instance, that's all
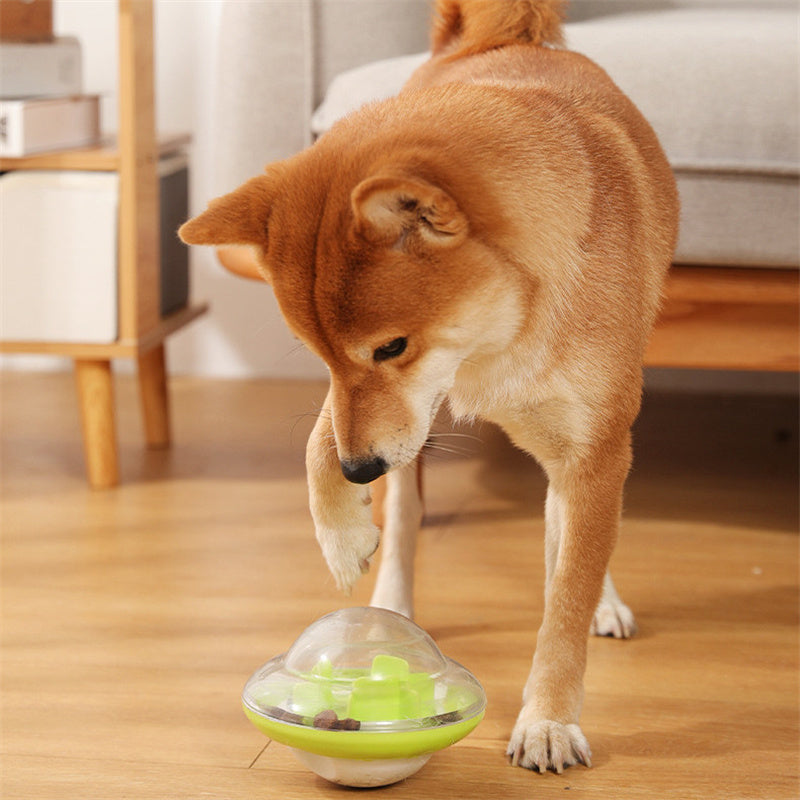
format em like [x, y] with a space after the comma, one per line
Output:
[546, 745]
[613, 619]
[348, 552]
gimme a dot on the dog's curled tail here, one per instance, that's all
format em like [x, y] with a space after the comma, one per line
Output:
[469, 27]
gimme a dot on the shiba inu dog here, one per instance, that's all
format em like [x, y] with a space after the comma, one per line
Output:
[496, 235]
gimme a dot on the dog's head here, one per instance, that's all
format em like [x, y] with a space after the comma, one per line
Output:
[380, 272]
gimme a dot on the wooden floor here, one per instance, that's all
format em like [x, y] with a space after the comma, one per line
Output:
[132, 618]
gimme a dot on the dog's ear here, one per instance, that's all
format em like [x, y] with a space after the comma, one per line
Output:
[388, 209]
[243, 260]
[237, 224]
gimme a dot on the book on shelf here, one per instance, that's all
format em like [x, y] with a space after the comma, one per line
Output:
[31, 125]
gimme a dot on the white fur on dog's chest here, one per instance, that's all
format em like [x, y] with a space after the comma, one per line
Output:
[511, 379]
[526, 405]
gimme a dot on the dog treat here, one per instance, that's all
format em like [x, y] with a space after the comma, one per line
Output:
[326, 719]
[329, 721]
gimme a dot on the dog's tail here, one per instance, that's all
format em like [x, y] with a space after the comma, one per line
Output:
[469, 27]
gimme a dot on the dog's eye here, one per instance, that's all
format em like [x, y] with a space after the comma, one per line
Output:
[395, 348]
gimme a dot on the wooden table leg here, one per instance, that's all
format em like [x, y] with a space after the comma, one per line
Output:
[96, 398]
[153, 392]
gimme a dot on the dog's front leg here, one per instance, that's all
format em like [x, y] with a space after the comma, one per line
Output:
[340, 509]
[585, 499]
[402, 515]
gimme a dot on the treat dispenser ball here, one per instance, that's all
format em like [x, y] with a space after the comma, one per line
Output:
[364, 697]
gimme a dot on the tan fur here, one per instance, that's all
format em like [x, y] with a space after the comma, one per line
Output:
[508, 219]
[468, 27]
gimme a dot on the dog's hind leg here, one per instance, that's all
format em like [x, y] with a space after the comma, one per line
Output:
[402, 515]
[611, 617]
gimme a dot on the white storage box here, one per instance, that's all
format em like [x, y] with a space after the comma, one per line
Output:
[58, 256]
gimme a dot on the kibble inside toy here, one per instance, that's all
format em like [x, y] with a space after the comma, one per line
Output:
[364, 697]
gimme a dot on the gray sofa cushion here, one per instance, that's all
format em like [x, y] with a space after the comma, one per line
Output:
[718, 83]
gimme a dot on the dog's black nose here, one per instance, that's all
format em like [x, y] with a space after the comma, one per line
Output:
[363, 471]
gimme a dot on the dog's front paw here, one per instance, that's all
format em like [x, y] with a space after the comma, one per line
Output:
[613, 618]
[347, 552]
[542, 744]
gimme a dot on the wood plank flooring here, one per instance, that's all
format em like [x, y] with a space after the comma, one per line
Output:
[132, 617]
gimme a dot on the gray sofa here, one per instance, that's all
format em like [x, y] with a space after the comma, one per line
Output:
[718, 81]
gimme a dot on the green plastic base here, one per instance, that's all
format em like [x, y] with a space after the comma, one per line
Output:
[364, 744]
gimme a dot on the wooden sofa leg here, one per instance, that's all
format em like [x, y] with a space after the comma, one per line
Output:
[96, 399]
[154, 396]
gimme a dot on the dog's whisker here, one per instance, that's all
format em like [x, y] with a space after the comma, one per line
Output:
[454, 435]
[320, 413]
[296, 349]
[440, 450]
[442, 442]
[305, 415]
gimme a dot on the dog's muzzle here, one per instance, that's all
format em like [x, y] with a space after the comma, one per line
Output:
[364, 471]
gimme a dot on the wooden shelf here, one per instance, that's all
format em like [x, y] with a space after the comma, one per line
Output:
[122, 348]
[104, 157]
[134, 156]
